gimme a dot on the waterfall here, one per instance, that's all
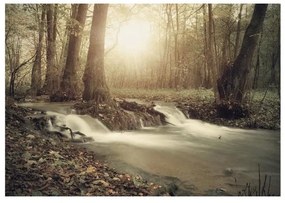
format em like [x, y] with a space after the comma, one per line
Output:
[173, 115]
[82, 123]
[76, 123]
[141, 122]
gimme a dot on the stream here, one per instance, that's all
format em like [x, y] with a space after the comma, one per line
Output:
[191, 156]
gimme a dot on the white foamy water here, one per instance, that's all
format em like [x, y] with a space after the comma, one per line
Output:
[173, 115]
[191, 150]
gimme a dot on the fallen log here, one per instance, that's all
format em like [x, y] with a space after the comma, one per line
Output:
[72, 134]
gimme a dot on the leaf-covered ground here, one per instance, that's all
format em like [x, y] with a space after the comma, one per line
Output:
[37, 164]
[199, 104]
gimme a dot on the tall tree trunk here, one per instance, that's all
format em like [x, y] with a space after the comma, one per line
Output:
[13, 52]
[172, 56]
[64, 49]
[176, 49]
[167, 64]
[275, 58]
[55, 16]
[197, 77]
[69, 82]
[238, 32]
[211, 62]
[225, 58]
[52, 81]
[95, 86]
[210, 43]
[206, 82]
[233, 84]
[36, 82]
[162, 74]
[257, 65]
[216, 58]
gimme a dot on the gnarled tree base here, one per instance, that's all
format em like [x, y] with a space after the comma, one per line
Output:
[232, 110]
[98, 95]
[64, 96]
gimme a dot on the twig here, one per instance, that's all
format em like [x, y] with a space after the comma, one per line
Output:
[263, 188]
[72, 134]
[261, 191]
[23, 64]
[248, 190]
[259, 181]
[269, 185]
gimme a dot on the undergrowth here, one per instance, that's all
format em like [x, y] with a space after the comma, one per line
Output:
[186, 94]
[262, 189]
[168, 95]
[264, 106]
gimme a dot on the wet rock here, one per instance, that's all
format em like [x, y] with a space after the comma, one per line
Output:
[217, 192]
[122, 115]
[193, 113]
[228, 172]
[172, 188]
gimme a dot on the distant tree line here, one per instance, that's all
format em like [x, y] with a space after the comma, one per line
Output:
[59, 49]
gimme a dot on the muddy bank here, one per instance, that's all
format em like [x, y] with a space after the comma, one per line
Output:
[265, 117]
[120, 115]
[264, 109]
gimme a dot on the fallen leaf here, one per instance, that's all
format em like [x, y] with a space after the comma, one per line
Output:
[31, 136]
[37, 193]
[56, 154]
[41, 160]
[116, 179]
[31, 162]
[101, 182]
[106, 175]
[27, 155]
[91, 169]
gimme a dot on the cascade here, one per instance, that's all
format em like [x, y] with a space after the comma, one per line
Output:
[173, 115]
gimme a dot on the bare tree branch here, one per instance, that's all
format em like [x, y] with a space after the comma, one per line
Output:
[118, 30]
[23, 64]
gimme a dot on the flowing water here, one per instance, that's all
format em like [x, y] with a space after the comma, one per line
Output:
[201, 158]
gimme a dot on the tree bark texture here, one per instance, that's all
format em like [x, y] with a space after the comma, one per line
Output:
[211, 62]
[64, 49]
[95, 86]
[206, 80]
[36, 82]
[69, 82]
[233, 84]
[13, 52]
[52, 74]
[238, 31]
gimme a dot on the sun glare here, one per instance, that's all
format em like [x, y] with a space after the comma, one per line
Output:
[134, 36]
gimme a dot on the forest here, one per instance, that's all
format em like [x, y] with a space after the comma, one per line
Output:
[154, 73]
[146, 46]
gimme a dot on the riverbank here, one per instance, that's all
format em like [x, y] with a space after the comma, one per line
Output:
[46, 163]
[264, 108]
[49, 165]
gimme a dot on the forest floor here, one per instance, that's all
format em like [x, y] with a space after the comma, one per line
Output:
[38, 164]
[264, 107]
